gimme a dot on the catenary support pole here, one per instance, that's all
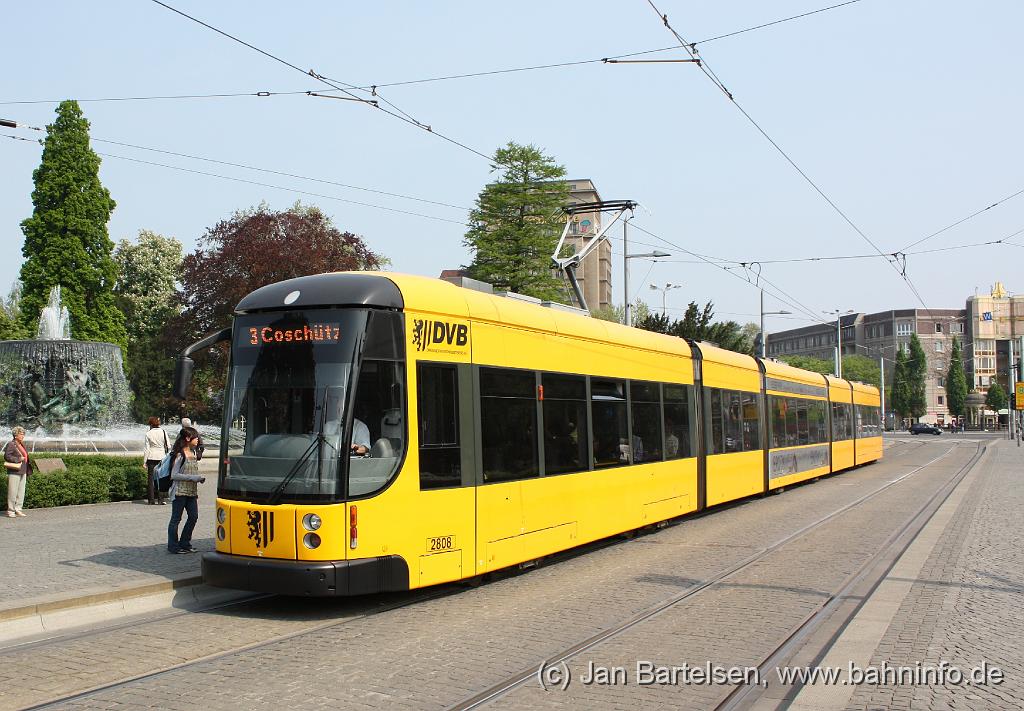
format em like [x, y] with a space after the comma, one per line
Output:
[762, 324]
[839, 345]
[881, 366]
[625, 276]
[1011, 414]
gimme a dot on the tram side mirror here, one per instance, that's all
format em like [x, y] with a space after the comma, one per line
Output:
[183, 368]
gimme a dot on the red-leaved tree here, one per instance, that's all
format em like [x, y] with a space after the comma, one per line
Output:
[251, 249]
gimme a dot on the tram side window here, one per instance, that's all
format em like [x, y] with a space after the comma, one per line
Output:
[440, 450]
[796, 421]
[779, 408]
[842, 421]
[645, 401]
[817, 421]
[802, 427]
[751, 421]
[678, 437]
[565, 424]
[735, 421]
[792, 430]
[867, 421]
[508, 424]
[608, 415]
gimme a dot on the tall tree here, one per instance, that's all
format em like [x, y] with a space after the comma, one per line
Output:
[617, 314]
[815, 365]
[11, 328]
[66, 241]
[956, 382]
[901, 395]
[861, 368]
[729, 335]
[695, 321]
[251, 249]
[917, 371]
[697, 325]
[148, 271]
[517, 222]
[996, 398]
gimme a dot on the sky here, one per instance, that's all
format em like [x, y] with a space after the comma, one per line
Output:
[904, 114]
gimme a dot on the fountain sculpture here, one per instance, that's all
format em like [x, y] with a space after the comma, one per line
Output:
[53, 381]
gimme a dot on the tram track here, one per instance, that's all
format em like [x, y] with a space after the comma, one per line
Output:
[433, 593]
[415, 599]
[510, 684]
[867, 577]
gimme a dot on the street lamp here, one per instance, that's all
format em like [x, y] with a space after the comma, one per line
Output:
[881, 368]
[839, 337]
[764, 335]
[664, 293]
[626, 256]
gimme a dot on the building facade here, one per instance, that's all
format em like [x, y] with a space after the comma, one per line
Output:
[985, 329]
[996, 322]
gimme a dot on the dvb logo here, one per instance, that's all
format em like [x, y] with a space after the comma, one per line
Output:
[427, 333]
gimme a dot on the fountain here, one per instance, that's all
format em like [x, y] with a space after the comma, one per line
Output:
[59, 388]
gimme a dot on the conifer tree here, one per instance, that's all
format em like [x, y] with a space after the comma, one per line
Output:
[901, 386]
[917, 371]
[996, 398]
[66, 240]
[517, 222]
[956, 382]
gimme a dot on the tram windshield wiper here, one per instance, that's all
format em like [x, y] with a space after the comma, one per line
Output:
[315, 446]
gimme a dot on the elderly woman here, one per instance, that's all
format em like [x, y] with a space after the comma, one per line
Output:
[154, 449]
[16, 463]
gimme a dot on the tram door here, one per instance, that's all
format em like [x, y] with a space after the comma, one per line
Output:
[446, 515]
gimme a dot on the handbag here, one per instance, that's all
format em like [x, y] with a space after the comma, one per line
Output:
[13, 466]
[162, 474]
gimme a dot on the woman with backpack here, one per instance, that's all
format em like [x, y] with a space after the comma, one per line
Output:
[185, 481]
[155, 448]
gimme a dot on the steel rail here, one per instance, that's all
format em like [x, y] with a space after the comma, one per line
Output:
[889, 552]
[513, 682]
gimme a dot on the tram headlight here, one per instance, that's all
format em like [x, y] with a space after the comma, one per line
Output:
[311, 522]
[221, 533]
[311, 540]
[222, 515]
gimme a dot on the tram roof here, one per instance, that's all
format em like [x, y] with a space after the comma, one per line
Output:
[332, 289]
[783, 371]
[405, 291]
[441, 297]
[714, 354]
[860, 387]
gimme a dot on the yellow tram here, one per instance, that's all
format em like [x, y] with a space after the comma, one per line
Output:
[387, 432]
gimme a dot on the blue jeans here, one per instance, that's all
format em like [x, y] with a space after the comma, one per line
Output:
[189, 505]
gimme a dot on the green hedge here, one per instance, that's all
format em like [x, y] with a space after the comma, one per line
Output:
[89, 479]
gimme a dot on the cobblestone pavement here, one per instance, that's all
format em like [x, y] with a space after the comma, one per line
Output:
[965, 606]
[64, 552]
[437, 652]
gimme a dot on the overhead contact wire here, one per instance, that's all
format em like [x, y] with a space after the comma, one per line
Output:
[691, 50]
[320, 78]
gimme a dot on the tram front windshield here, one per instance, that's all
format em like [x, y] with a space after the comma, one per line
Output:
[288, 433]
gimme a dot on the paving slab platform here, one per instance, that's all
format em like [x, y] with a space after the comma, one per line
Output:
[74, 564]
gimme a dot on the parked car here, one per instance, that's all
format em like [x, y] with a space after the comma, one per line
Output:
[924, 428]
